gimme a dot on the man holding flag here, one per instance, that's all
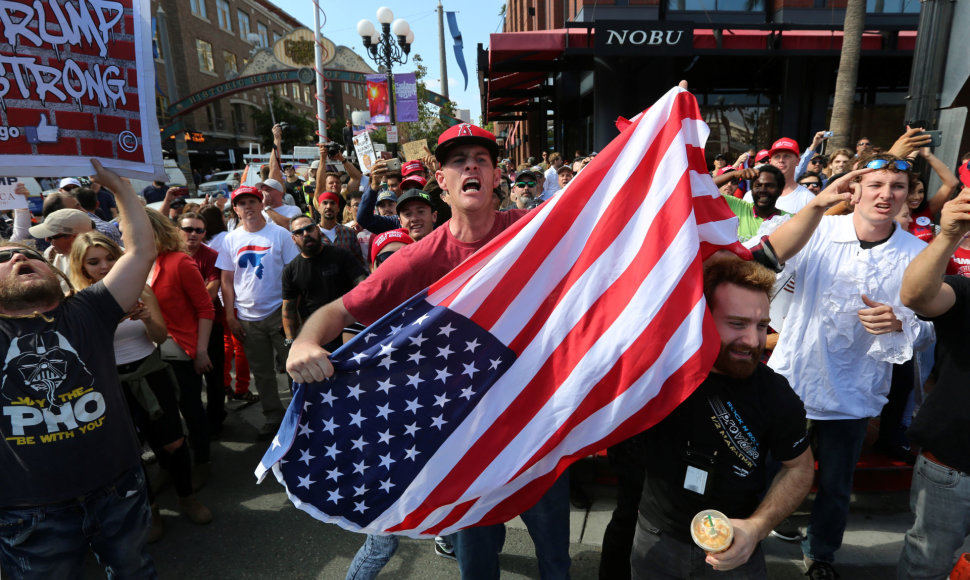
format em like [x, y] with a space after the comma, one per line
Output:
[578, 326]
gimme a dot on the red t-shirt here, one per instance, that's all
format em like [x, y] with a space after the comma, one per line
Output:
[959, 263]
[922, 225]
[414, 267]
[181, 293]
[205, 257]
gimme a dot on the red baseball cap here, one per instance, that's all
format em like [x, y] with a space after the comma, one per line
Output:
[762, 155]
[726, 169]
[465, 134]
[383, 239]
[414, 182]
[784, 144]
[246, 190]
[411, 167]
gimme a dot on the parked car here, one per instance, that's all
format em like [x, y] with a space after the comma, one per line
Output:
[221, 183]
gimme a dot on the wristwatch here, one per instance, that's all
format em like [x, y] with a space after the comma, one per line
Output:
[287, 342]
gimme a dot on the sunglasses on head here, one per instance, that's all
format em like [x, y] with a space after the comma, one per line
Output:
[525, 183]
[7, 255]
[191, 230]
[303, 231]
[898, 164]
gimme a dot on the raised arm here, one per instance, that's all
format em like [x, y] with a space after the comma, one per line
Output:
[792, 235]
[950, 185]
[923, 289]
[352, 171]
[275, 169]
[740, 174]
[321, 172]
[126, 280]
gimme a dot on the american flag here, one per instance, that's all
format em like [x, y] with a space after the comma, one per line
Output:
[579, 326]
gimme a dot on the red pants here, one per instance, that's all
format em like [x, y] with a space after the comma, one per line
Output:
[232, 347]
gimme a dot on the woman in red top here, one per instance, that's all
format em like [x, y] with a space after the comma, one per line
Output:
[923, 210]
[188, 313]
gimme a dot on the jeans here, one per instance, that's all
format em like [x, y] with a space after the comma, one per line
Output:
[836, 445]
[190, 404]
[660, 556]
[51, 541]
[263, 342]
[940, 499]
[477, 549]
[371, 558]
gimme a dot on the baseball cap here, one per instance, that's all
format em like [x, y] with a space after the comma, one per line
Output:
[413, 182]
[784, 144]
[273, 184]
[315, 164]
[383, 239]
[386, 195]
[564, 168]
[762, 156]
[410, 167]
[68, 182]
[464, 134]
[526, 173]
[415, 194]
[726, 169]
[246, 190]
[62, 221]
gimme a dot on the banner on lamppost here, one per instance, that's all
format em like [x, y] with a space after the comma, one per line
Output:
[81, 86]
[378, 99]
[406, 90]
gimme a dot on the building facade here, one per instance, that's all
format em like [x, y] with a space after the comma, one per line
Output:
[562, 71]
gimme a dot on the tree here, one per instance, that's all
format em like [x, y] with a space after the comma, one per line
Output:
[299, 131]
[845, 83]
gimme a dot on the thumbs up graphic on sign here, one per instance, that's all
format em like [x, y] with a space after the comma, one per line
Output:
[42, 133]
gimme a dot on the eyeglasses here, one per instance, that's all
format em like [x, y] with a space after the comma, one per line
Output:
[899, 164]
[56, 237]
[382, 257]
[6, 255]
[811, 184]
[525, 183]
[303, 231]
[189, 230]
[863, 144]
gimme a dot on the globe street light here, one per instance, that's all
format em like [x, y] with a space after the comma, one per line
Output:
[383, 50]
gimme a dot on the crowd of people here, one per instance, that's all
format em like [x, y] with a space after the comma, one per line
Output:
[856, 295]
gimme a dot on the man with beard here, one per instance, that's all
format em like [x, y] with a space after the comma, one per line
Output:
[336, 233]
[767, 186]
[524, 189]
[709, 453]
[319, 275]
[784, 156]
[70, 455]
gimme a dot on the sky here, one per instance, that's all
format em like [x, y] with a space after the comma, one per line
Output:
[476, 20]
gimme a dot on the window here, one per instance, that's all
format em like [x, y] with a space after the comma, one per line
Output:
[230, 61]
[157, 44]
[198, 8]
[244, 26]
[276, 38]
[263, 35]
[206, 63]
[346, 88]
[225, 16]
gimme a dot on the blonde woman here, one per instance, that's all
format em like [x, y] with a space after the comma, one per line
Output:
[149, 383]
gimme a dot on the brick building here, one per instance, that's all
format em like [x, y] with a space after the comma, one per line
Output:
[211, 42]
[563, 70]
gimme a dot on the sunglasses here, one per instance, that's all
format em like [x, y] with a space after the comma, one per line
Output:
[863, 144]
[303, 231]
[190, 230]
[899, 164]
[525, 183]
[55, 237]
[382, 257]
[6, 255]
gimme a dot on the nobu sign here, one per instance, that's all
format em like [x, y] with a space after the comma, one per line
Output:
[630, 37]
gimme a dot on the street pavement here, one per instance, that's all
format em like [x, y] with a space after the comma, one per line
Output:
[258, 534]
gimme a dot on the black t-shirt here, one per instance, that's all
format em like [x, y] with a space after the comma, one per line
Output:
[724, 429]
[65, 425]
[317, 281]
[942, 425]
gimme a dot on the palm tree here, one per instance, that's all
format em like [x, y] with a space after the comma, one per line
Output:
[845, 83]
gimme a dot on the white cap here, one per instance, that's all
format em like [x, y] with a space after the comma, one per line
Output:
[315, 164]
[273, 184]
[69, 181]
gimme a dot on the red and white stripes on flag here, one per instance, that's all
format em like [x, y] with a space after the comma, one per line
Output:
[599, 294]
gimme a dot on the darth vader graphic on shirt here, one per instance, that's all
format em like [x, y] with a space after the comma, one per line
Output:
[41, 366]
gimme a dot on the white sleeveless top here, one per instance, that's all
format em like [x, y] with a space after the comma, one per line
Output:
[131, 342]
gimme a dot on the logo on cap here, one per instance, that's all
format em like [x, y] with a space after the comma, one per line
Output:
[464, 130]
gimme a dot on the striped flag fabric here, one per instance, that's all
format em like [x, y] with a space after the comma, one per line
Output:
[579, 326]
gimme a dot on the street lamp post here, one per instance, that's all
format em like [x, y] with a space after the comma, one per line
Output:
[383, 51]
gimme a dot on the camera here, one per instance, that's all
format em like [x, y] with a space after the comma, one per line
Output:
[333, 149]
[827, 134]
[283, 125]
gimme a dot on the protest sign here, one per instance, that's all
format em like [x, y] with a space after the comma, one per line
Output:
[8, 198]
[392, 133]
[82, 86]
[365, 152]
[415, 149]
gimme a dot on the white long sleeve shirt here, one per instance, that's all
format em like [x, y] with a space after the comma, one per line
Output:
[839, 370]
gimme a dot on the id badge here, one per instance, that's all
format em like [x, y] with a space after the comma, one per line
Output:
[695, 480]
[699, 469]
